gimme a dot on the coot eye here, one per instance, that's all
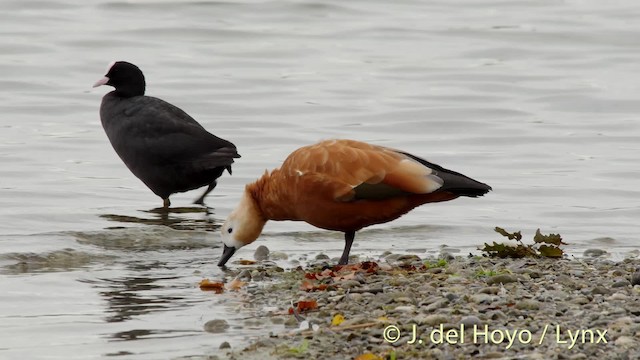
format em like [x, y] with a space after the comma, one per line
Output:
[230, 230]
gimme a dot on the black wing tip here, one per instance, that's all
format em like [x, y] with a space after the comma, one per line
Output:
[473, 192]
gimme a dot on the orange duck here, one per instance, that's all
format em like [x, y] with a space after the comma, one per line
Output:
[342, 185]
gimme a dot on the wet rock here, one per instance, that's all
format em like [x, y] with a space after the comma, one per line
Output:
[291, 323]
[635, 278]
[277, 255]
[322, 257]
[216, 326]
[225, 345]
[594, 253]
[408, 258]
[257, 275]
[261, 253]
[244, 275]
[445, 255]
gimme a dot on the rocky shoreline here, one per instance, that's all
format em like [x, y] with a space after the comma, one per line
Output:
[405, 307]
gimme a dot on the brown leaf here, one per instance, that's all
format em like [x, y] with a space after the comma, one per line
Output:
[306, 305]
[208, 285]
[235, 284]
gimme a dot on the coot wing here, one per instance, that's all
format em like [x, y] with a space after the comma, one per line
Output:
[145, 129]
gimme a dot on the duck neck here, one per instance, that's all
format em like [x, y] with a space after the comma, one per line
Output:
[272, 200]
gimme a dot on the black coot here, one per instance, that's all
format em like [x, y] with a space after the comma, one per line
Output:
[161, 145]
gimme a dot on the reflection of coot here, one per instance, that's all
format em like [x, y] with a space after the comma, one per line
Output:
[161, 145]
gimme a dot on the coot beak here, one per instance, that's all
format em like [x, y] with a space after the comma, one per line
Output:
[227, 253]
[102, 81]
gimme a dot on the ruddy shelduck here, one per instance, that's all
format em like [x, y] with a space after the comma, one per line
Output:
[342, 185]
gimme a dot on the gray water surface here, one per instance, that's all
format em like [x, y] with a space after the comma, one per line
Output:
[536, 98]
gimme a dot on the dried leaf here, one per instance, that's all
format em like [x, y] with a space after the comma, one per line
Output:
[511, 236]
[348, 276]
[337, 320]
[235, 284]
[504, 250]
[246, 262]
[306, 305]
[208, 285]
[307, 285]
[550, 251]
[554, 239]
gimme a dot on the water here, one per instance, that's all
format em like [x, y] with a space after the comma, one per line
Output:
[536, 98]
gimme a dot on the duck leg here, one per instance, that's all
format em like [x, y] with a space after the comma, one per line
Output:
[200, 200]
[348, 241]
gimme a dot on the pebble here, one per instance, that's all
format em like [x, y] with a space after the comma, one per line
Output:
[625, 341]
[277, 255]
[635, 278]
[225, 345]
[618, 296]
[621, 283]
[482, 298]
[405, 309]
[434, 319]
[216, 326]
[261, 253]
[594, 253]
[436, 305]
[501, 279]
[470, 321]
[600, 290]
[528, 304]
[576, 294]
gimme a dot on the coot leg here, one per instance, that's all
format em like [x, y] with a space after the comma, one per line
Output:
[200, 200]
[166, 203]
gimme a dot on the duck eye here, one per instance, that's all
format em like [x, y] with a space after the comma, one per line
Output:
[230, 230]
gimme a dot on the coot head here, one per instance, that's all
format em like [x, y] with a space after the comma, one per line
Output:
[125, 77]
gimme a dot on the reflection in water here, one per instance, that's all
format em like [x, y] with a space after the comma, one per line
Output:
[145, 239]
[164, 217]
[59, 260]
[145, 333]
[132, 296]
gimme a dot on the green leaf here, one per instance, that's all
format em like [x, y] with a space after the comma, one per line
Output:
[301, 349]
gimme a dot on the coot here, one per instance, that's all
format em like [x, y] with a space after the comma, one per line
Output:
[161, 144]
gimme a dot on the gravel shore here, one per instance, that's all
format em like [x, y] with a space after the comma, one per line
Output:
[405, 307]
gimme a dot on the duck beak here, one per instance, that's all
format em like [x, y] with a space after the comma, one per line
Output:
[103, 81]
[227, 253]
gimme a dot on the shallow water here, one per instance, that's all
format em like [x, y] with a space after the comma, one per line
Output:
[536, 98]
